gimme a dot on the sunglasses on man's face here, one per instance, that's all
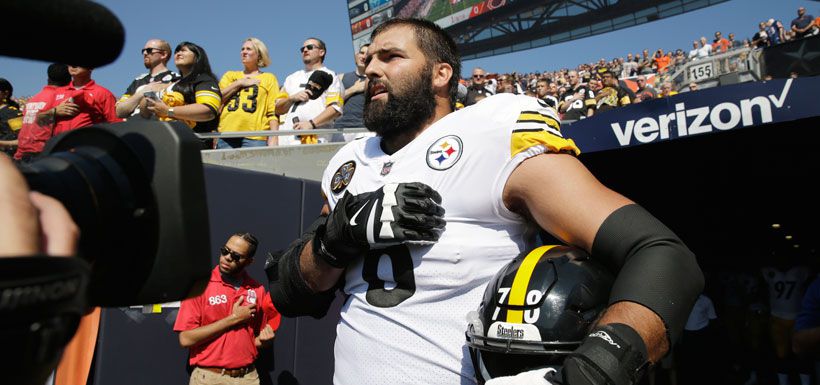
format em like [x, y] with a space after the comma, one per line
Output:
[150, 50]
[478, 76]
[308, 47]
[236, 257]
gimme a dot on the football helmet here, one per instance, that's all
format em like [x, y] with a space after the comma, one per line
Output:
[536, 311]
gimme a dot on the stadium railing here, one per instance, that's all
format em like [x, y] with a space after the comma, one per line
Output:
[736, 66]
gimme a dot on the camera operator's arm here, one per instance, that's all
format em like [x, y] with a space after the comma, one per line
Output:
[239, 314]
[35, 223]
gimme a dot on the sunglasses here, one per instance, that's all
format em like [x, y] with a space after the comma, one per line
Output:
[308, 47]
[148, 51]
[236, 257]
[478, 76]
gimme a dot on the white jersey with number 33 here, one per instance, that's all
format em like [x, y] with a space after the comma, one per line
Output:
[404, 320]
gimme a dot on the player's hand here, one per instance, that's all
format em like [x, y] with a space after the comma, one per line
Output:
[301, 96]
[66, 109]
[397, 213]
[242, 313]
[532, 377]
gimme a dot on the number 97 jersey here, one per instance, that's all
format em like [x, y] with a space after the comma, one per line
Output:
[404, 318]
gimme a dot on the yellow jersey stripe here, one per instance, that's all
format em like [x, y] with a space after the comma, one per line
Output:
[535, 117]
[523, 139]
[518, 292]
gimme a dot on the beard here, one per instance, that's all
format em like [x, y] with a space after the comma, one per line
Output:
[409, 105]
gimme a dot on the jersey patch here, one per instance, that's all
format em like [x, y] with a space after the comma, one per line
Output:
[444, 152]
[342, 177]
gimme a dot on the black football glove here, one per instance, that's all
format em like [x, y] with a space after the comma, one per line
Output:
[394, 214]
[612, 354]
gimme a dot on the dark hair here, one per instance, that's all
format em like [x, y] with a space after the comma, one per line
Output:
[201, 67]
[5, 85]
[322, 46]
[436, 44]
[58, 75]
[252, 242]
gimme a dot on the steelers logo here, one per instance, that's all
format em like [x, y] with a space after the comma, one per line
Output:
[444, 153]
[342, 177]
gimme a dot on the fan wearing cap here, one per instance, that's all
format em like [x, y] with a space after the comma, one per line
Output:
[611, 95]
[309, 101]
[10, 118]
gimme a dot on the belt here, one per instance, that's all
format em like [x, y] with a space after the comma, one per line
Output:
[237, 372]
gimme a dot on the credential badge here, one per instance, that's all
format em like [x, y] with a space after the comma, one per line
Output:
[444, 153]
[342, 177]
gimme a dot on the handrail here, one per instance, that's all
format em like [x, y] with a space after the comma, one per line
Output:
[319, 131]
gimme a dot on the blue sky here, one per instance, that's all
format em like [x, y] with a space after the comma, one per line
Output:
[221, 26]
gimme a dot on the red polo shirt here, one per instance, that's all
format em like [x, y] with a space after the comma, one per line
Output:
[235, 347]
[32, 137]
[97, 105]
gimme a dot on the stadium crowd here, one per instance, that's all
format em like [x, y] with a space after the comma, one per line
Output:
[252, 100]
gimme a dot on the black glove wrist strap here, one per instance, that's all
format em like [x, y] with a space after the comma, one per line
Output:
[616, 351]
[321, 252]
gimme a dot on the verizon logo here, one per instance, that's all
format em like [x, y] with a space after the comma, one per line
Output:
[693, 121]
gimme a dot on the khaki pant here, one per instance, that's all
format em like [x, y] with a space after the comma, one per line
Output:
[204, 377]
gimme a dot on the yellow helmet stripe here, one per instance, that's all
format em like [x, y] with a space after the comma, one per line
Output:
[518, 293]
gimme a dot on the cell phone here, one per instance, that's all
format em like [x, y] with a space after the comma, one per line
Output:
[151, 95]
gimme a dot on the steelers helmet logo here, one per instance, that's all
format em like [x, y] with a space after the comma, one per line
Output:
[444, 153]
[342, 177]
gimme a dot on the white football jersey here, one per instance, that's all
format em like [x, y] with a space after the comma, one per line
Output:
[404, 319]
[786, 289]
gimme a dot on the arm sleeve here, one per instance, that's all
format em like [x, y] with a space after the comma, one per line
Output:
[333, 95]
[189, 314]
[207, 93]
[109, 108]
[273, 96]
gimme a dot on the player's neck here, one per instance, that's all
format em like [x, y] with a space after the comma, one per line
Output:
[391, 144]
[313, 66]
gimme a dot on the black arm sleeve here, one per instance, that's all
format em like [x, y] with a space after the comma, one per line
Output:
[655, 268]
[288, 290]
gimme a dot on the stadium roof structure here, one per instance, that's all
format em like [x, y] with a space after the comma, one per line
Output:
[518, 25]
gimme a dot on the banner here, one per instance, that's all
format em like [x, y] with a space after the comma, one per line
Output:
[698, 113]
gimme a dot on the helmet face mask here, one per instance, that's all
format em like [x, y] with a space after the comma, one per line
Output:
[535, 311]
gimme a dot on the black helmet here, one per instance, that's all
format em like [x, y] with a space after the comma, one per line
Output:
[536, 310]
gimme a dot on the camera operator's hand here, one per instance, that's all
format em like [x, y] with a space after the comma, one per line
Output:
[242, 313]
[35, 223]
[396, 213]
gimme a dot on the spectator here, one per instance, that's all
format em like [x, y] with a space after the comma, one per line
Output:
[661, 61]
[667, 89]
[645, 65]
[195, 99]
[693, 54]
[761, 38]
[303, 110]
[224, 327]
[578, 101]
[803, 25]
[705, 48]
[645, 91]
[611, 94]
[10, 118]
[679, 59]
[86, 102]
[775, 32]
[477, 87]
[695, 347]
[40, 113]
[693, 86]
[353, 90]
[720, 44]
[155, 56]
[630, 67]
[543, 92]
[249, 98]
[734, 44]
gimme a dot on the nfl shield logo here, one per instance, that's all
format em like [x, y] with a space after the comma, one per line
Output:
[386, 168]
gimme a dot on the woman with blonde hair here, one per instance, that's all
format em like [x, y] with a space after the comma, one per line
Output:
[249, 98]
